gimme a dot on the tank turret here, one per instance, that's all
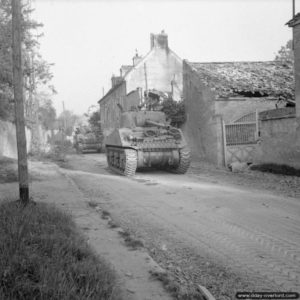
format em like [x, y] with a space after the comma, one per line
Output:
[146, 139]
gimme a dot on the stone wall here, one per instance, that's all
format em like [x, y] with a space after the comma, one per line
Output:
[205, 114]
[296, 45]
[109, 111]
[280, 113]
[296, 33]
[132, 99]
[8, 140]
[233, 108]
[44, 138]
[202, 129]
[279, 142]
[296, 37]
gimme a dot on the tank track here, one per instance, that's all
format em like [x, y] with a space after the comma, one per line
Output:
[124, 161]
[184, 161]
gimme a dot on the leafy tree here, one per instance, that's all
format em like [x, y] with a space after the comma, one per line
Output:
[67, 119]
[94, 119]
[286, 56]
[36, 71]
[46, 111]
[94, 122]
[6, 95]
[175, 111]
[286, 53]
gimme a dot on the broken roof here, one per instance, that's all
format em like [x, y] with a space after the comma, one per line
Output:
[294, 21]
[250, 79]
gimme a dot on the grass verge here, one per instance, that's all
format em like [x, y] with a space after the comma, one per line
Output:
[177, 290]
[276, 169]
[43, 256]
[8, 170]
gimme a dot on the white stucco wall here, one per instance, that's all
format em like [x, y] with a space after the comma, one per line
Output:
[8, 140]
[162, 66]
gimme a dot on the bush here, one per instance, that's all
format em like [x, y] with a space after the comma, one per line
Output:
[175, 111]
[43, 256]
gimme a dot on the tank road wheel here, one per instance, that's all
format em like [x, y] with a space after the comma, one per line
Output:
[110, 156]
[184, 161]
[122, 161]
[130, 162]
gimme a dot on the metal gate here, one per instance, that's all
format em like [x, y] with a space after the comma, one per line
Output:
[240, 139]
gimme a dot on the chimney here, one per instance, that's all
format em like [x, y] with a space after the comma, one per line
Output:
[159, 40]
[116, 80]
[136, 59]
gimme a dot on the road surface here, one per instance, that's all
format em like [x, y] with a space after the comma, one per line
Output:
[204, 231]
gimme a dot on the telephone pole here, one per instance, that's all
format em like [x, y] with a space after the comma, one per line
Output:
[65, 121]
[63, 132]
[19, 102]
[293, 8]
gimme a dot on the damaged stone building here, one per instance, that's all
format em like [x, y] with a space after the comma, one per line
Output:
[223, 105]
[160, 69]
[295, 24]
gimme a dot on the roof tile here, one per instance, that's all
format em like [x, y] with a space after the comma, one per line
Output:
[229, 79]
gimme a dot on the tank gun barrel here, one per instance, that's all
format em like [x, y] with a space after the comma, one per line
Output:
[161, 125]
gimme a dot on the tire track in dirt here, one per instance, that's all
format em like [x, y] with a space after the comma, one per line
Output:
[284, 254]
[246, 248]
[242, 242]
[246, 253]
[265, 257]
[280, 247]
[266, 240]
[259, 255]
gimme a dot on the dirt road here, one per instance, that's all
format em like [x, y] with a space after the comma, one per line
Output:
[201, 229]
[227, 232]
[49, 184]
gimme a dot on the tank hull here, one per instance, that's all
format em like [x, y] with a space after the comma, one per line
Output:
[157, 158]
[144, 142]
[86, 143]
[84, 147]
[171, 160]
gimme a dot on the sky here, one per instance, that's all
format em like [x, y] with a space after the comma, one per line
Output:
[89, 40]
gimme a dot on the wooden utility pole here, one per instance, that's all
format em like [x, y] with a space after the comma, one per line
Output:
[65, 121]
[293, 15]
[146, 77]
[293, 8]
[19, 101]
[63, 132]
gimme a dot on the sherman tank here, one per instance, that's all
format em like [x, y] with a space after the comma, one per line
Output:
[145, 139]
[87, 140]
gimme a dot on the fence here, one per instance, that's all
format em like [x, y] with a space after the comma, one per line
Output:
[240, 138]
